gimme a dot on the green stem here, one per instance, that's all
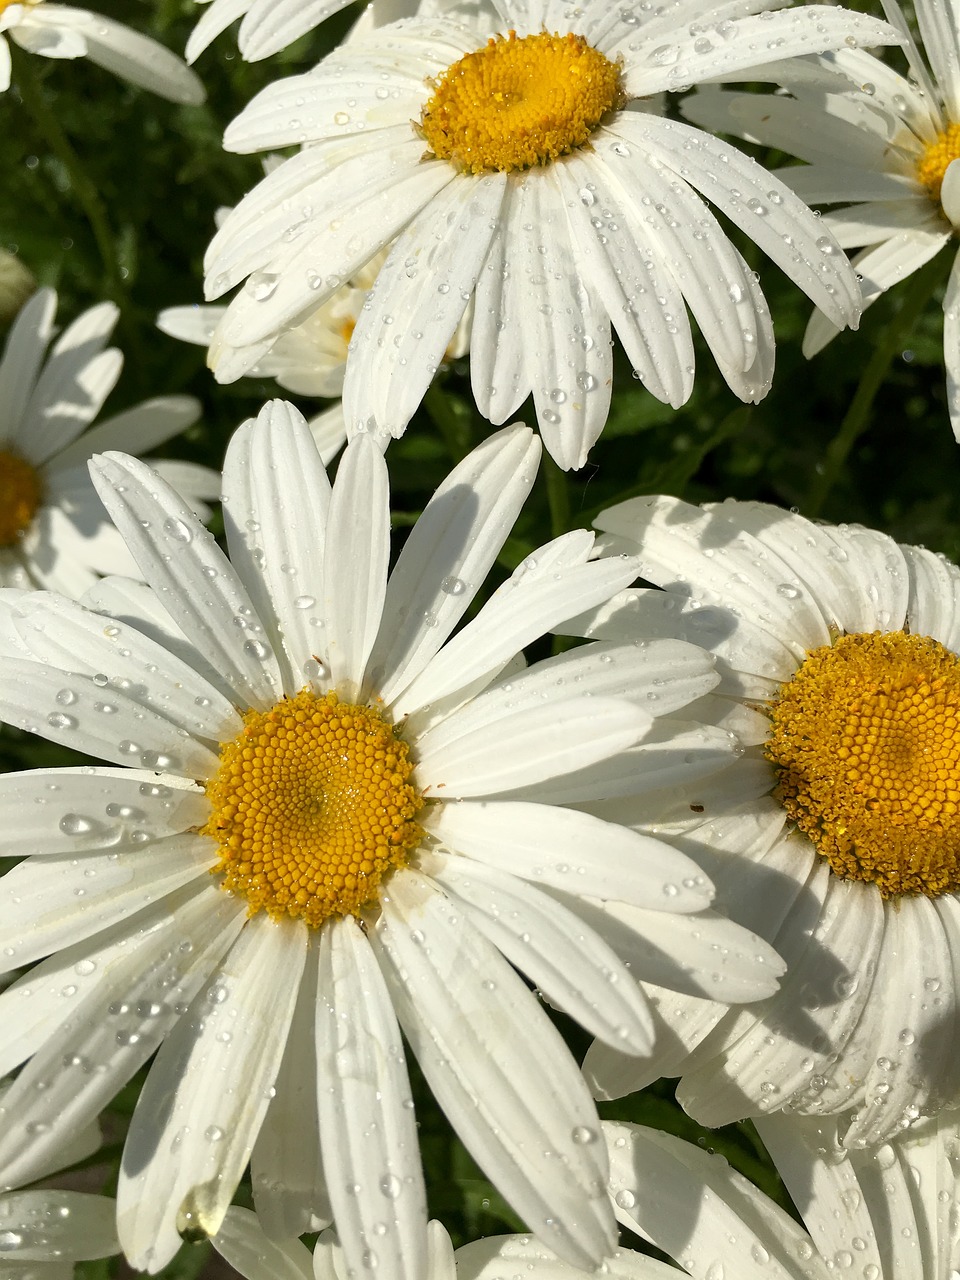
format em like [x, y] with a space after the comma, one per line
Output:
[84, 190]
[857, 418]
[558, 496]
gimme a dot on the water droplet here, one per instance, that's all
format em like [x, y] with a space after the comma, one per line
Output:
[60, 720]
[625, 1199]
[66, 697]
[178, 530]
[391, 1186]
[453, 586]
[583, 1136]
[74, 824]
[262, 284]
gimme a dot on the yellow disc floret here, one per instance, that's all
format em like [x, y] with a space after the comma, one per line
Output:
[20, 494]
[936, 159]
[866, 744]
[311, 806]
[520, 102]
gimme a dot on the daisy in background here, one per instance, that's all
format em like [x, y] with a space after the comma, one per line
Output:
[60, 31]
[308, 359]
[885, 1215]
[54, 531]
[432, 131]
[837, 835]
[379, 833]
[881, 145]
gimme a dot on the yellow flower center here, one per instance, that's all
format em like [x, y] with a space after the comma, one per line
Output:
[520, 102]
[866, 744]
[5, 4]
[20, 493]
[937, 158]
[312, 806]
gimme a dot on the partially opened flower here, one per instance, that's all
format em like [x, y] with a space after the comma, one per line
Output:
[433, 133]
[61, 31]
[54, 531]
[308, 359]
[379, 833]
[837, 834]
[883, 146]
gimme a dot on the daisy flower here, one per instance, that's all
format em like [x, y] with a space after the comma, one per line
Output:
[888, 1214]
[378, 835]
[60, 31]
[53, 529]
[308, 359]
[836, 835]
[557, 230]
[881, 145]
[885, 1215]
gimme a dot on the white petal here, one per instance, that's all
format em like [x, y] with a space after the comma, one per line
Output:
[448, 554]
[421, 293]
[23, 353]
[135, 981]
[913, 1066]
[794, 33]
[625, 266]
[210, 23]
[56, 901]
[571, 851]
[177, 555]
[820, 1000]
[285, 1168]
[54, 1224]
[951, 344]
[71, 811]
[356, 556]
[209, 1088]
[497, 1068]
[136, 431]
[74, 710]
[119, 660]
[473, 754]
[243, 1242]
[275, 522]
[728, 1224]
[811, 258]
[139, 59]
[564, 958]
[566, 330]
[934, 596]
[268, 28]
[371, 1151]
[499, 374]
[522, 610]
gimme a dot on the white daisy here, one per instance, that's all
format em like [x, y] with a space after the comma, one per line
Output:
[836, 835]
[44, 1231]
[440, 856]
[885, 1215]
[559, 232]
[889, 1214]
[54, 531]
[881, 145]
[308, 359]
[60, 31]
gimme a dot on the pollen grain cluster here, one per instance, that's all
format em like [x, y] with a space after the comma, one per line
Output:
[937, 158]
[311, 806]
[520, 102]
[20, 494]
[866, 745]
